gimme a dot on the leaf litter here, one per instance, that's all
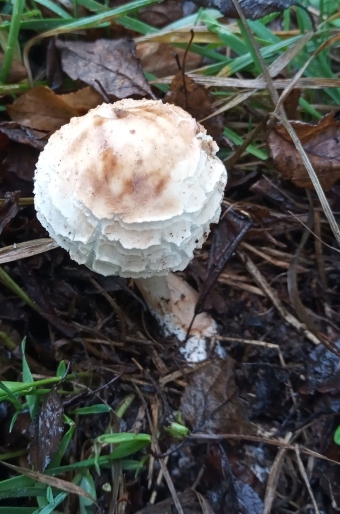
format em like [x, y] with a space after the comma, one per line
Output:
[273, 384]
[322, 144]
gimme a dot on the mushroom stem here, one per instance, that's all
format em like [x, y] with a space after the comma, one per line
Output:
[172, 301]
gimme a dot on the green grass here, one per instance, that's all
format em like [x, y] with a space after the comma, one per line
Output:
[49, 491]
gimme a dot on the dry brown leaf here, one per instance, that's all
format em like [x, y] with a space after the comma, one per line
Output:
[83, 100]
[196, 99]
[105, 64]
[41, 109]
[322, 145]
[159, 58]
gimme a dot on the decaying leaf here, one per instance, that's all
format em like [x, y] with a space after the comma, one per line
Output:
[105, 64]
[41, 109]
[159, 58]
[197, 100]
[322, 145]
[226, 480]
[15, 132]
[211, 402]
[48, 430]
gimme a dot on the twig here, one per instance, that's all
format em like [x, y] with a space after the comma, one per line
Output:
[305, 478]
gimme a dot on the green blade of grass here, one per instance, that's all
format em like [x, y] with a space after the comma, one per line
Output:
[94, 409]
[18, 510]
[13, 286]
[123, 437]
[10, 396]
[27, 377]
[56, 9]
[18, 8]
[119, 453]
[237, 140]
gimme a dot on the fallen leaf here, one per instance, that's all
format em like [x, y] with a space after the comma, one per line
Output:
[211, 401]
[111, 63]
[83, 100]
[252, 9]
[159, 58]
[227, 492]
[322, 145]
[196, 99]
[41, 109]
[48, 429]
[15, 132]
[162, 14]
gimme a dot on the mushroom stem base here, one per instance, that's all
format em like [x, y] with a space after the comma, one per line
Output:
[172, 301]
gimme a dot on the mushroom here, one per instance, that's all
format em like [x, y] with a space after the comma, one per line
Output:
[130, 189]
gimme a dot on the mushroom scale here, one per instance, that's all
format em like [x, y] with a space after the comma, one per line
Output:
[130, 188]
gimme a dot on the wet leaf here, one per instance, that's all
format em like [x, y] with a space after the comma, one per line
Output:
[48, 429]
[9, 209]
[196, 99]
[15, 132]
[228, 493]
[322, 145]
[112, 63]
[211, 401]
[252, 9]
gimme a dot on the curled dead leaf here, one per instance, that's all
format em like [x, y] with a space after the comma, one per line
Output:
[322, 145]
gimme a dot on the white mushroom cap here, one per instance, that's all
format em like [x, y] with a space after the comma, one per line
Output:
[130, 188]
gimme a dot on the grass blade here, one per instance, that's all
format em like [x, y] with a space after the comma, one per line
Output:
[12, 39]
